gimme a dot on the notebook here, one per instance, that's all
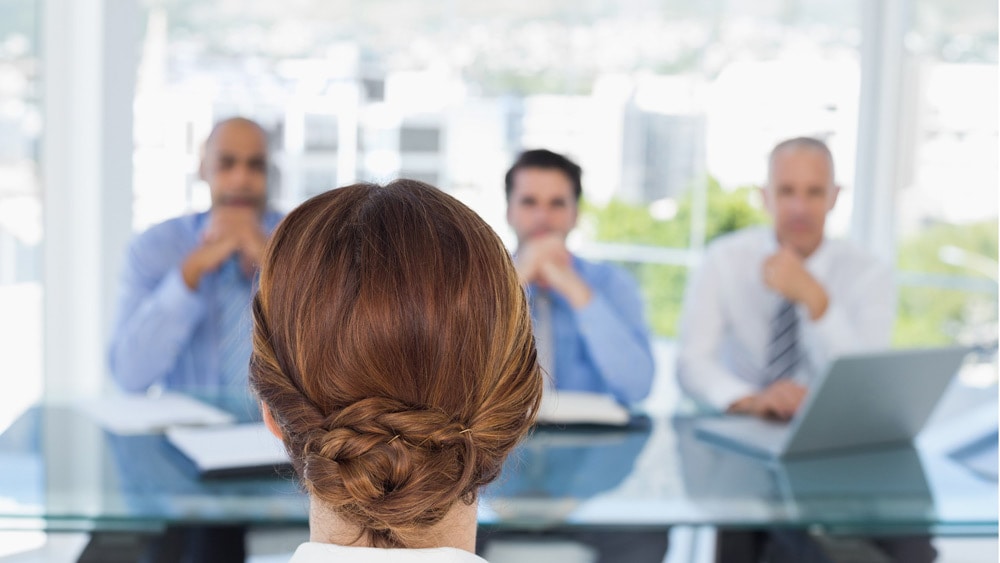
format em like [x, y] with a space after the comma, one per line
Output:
[581, 408]
[237, 449]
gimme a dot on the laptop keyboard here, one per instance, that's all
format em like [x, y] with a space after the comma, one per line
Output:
[753, 433]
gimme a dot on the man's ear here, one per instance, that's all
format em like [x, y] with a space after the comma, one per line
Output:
[833, 197]
[269, 421]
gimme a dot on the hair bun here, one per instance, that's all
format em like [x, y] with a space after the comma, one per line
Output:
[394, 466]
[393, 349]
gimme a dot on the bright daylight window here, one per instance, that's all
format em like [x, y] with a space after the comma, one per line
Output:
[20, 209]
[670, 107]
[947, 206]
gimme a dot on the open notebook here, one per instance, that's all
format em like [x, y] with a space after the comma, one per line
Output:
[237, 449]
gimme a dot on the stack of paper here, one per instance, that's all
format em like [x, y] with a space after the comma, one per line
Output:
[229, 449]
[575, 407]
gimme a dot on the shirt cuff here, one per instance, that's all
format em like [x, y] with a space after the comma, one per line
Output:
[181, 300]
[593, 314]
[722, 394]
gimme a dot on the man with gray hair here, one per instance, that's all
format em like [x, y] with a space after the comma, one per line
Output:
[770, 308]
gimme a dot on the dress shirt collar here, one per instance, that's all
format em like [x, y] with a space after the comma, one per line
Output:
[816, 259]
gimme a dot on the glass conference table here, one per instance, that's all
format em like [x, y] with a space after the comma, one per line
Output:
[59, 471]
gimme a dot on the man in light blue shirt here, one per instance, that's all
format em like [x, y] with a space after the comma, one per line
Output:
[183, 318]
[590, 329]
[592, 335]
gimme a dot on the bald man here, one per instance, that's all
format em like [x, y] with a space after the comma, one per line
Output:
[772, 306]
[183, 310]
[769, 309]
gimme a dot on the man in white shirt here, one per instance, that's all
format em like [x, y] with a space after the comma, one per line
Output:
[771, 307]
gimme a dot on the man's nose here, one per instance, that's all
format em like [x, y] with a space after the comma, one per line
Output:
[799, 205]
[542, 214]
[241, 176]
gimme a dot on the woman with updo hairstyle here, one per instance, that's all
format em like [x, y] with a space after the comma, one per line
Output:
[393, 355]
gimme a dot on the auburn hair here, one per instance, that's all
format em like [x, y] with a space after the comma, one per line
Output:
[392, 344]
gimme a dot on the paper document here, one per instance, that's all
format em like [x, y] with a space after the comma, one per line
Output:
[140, 414]
[963, 428]
[577, 407]
[980, 458]
[226, 448]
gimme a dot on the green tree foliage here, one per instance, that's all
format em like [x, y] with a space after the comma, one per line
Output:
[926, 315]
[663, 284]
[935, 315]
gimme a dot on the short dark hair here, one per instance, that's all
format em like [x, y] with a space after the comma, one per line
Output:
[541, 158]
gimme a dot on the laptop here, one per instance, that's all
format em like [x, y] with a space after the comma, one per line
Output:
[862, 400]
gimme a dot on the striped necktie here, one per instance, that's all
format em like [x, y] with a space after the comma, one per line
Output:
[545, 335]
[233, 297]
[783, 350]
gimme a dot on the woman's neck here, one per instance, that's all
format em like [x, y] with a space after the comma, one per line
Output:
[457, 529]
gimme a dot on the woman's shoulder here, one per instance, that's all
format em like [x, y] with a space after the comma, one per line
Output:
[314, 552]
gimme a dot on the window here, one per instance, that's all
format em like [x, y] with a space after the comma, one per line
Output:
[320, 133]
[20, 209]
[419, 139]
[946, 204]
[671, 109]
